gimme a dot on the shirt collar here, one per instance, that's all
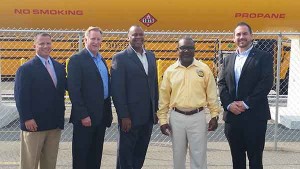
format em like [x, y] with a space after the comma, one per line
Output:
[195, 63]
[92, 55]
[144, 52]
[245, 53]
[43, 59]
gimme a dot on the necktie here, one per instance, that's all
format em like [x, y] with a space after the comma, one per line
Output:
[47, 64]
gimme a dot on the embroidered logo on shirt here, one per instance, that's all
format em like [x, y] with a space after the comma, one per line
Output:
[200, 73]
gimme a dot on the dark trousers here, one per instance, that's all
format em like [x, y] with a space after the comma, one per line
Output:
[87, 146]
[133, 146]
[246, 137]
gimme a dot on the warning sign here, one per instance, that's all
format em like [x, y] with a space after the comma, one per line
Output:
[148, 20]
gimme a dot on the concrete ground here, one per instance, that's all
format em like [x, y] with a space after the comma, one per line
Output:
[160, 156]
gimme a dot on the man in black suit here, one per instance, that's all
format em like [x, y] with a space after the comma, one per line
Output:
[246, 79]
[39, 93]
[88, 85]
[135, 96]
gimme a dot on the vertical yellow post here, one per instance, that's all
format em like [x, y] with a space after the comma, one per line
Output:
[22, 61]
[159, 70]
[67, 99]
[67, 62]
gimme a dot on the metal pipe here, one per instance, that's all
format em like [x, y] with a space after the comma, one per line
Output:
[279, 42]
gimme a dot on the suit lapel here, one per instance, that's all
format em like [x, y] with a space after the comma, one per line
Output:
[231, 66]
[39, 63]
[136, 60]
[248, 61]
[42, 67]
[150, 63]
[90, 61]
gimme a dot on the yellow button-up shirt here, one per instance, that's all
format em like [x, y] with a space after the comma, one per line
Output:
[187, 88]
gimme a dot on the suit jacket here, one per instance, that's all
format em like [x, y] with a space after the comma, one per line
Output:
[36, 96]
[255, 83]
[134, 93]
[86, 92]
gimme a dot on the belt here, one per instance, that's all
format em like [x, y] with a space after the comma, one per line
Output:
[188, 112]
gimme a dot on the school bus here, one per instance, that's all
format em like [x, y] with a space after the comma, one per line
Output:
[153, 16]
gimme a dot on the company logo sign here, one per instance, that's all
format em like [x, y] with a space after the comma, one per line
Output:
[148, 20]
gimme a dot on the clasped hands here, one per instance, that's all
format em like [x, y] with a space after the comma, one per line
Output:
[237, 107]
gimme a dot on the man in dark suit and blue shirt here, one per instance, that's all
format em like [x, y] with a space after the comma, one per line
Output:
[88, 85]
[135, 96]
[39, 93]
[246, 79]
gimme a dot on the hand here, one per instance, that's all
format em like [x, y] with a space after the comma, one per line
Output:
[241, 105]
[213, 124]
[235, 108]
[31, 125]
[166, 129]
[86, 122]
[126, 124]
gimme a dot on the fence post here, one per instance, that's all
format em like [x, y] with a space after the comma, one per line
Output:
[279, 42]
[0, 78]
[80, 45]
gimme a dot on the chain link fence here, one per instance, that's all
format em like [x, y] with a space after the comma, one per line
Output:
[16, 47]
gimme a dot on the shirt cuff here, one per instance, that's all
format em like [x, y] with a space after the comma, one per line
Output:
[163, 121]
[228, 106]
[247, 107]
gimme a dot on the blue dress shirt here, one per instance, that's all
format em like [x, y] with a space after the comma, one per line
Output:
[103, 71]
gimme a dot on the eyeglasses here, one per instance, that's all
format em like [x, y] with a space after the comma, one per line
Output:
[186, 48]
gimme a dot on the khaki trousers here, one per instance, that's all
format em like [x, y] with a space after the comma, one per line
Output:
[189, 131]
[39, 149]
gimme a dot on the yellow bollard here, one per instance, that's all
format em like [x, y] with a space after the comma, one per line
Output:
[67, 98]
[160, 72]
[67, 62]
[22, 61]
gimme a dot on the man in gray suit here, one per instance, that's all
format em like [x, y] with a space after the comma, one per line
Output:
[135, 96]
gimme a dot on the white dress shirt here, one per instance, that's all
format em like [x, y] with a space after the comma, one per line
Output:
[143, 59]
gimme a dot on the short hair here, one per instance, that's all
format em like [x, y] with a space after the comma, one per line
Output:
[41, 34]
[137, 26]
[244, 24]
[186, 38]
[92, 28]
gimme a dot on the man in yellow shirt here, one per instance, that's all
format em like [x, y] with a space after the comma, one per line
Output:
[187, 88]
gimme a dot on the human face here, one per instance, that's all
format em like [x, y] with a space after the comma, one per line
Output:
[42, 46]
[136, 38]
[93, 41]
[186, 51]
[242, 38]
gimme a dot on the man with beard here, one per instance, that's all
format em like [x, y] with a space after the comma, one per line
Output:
[187, 87]
[245, 80]
[135, 96]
